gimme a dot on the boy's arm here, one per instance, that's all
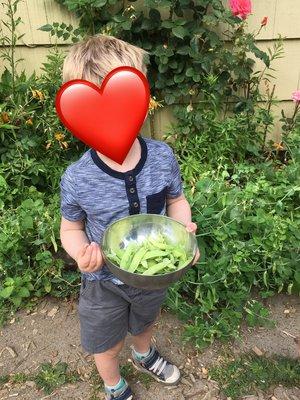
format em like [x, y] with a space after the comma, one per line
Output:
[72, 236]
[75, 242]
[179, 209]
[72, 229]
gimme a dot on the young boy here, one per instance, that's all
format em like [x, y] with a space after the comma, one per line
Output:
[95, 191]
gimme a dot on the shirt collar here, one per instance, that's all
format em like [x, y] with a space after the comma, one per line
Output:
[117, 174]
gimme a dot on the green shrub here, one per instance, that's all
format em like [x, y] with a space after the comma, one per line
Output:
[249, 229]
[244, 191]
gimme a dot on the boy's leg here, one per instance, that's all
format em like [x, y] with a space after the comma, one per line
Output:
[103, 311]
[107, 364]
[142, 341]
[145, 357]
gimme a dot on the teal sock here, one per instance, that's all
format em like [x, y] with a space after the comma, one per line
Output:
[140, 356]
[118, 386]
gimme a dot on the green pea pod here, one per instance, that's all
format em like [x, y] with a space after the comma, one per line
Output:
[137, 259]
[156, 268]
[119, 252]
[154, 254]
[160, 244]
[184, 262]
[127, 255]
[114, 258]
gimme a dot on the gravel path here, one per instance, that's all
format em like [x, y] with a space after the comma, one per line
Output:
[50, 333]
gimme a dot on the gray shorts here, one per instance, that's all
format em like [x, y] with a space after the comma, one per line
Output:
[108, 311]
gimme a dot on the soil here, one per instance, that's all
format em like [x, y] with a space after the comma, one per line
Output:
[51, 333]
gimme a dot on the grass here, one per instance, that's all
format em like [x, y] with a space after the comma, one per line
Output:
[19, 378]
[239, 377]
[4, 379]
[48, 378]
[243, 376]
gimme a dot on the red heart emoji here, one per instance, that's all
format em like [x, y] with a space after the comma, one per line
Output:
[108, 118]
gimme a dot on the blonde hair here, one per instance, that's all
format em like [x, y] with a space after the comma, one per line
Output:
[95, 56]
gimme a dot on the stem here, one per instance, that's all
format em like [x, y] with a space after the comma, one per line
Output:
[12, 57]
[152, 130]
[293, 117]
[171, 12]
[268, 109]
[226, 107]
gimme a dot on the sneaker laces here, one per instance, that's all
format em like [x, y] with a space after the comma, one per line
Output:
[157, 364]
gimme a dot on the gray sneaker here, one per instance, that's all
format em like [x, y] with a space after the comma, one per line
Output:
[124, 393]
[158, 367]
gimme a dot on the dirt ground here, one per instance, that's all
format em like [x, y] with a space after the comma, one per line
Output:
[51, 334]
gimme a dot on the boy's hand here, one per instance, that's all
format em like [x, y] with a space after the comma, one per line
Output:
[192, 227]
[89, 258]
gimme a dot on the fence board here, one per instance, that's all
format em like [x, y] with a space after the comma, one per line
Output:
[283, 18]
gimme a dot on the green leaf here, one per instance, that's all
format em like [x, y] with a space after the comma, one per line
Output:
[6, 292]
[163, 68]
[179, 78]
[179, 32]
[147, 24]
[27, 222]
[66, 36]
[47, 287]
[167, 24]
[7, 126]
[17, 301]
[169, 98]
[45, 28]
[196, 78]
[154, 14]
[184, 50]
[100, 3]
[261, 55]
[24, 292]
[190, 72]
[297, 276]
[126, 25]
[2, 182]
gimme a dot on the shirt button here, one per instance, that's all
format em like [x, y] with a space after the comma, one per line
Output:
[130, 178]
[135, 204]
[131, 190]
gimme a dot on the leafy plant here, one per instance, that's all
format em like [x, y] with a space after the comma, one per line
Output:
[248, 373]
[248, 221]
[16, 289]
[52, 376]
[244, 191]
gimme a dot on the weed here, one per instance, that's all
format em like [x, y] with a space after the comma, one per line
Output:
[52, 376]
[19, 378]
[4, 379]
[244, 375]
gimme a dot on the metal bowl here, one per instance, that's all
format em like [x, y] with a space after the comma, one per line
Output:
[136, 228]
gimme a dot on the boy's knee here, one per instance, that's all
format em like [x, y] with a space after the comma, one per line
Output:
[113, 351]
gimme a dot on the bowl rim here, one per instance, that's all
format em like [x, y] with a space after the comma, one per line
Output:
[157, 215]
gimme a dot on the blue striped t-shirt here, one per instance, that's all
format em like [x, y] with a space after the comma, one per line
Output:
[94, 192]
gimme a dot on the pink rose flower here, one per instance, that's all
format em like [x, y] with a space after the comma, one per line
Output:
[240, 8]
[296, 96]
